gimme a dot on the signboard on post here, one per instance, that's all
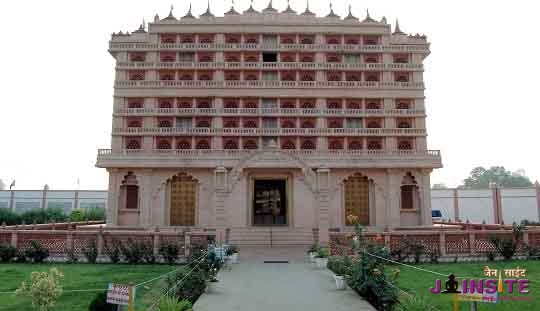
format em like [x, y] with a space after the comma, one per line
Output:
[120, 294]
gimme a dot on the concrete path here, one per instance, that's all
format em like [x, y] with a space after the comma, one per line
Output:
[278, 286]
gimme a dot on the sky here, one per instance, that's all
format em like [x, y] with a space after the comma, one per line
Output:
[57, 78]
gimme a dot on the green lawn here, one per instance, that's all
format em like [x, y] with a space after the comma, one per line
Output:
[79, 276]
[419, 283]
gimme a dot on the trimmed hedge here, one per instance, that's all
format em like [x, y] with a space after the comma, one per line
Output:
[49, 215]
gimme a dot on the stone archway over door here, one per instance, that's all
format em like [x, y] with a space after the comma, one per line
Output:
[356, 190]
[183, 200]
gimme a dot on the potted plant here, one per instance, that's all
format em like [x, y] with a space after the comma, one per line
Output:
[312, 251]
[340, 266]
[212, 279]
[232, 253]
[321, 258]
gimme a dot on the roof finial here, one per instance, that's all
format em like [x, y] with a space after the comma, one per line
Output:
[171, 16]
[368, 18]
[331, 14]
[307, 12]
[232, 11]
[270, 8]
[143, 23]
[350, 16]
[383, 20]
[188, 14]
[251, 9]
[208, 13]
[170, 12]
[289, 9]
[397, 29]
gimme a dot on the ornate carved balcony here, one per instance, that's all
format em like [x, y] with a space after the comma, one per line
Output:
[174, 131]
[276, 65]
[394, 48]
[269, 112]
[283, 158]
[128, 84]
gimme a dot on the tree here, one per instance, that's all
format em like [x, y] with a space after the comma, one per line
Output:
[480, 178]
[439, 186]
[2, 185]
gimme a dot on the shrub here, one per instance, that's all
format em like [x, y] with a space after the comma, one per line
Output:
[231, 249]
[71, 256]
[21, 256]
[7, 252]
[340, 265]
[77, 215]
[37, 253]
[506, 247]
[133, 251]
[94, 213]
[44, 289]
[322, 253]
[491, 256]
[434, 256]
[313, 248]
[42, 216]
[91, 252]
[148, 253]
[99, 303]
[532, 252]
[9, 217]
[113, 251]
[168, 303]
[415, 303]
[192, 286]
[169, 252]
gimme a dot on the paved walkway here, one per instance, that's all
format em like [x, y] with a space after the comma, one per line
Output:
[278, 286]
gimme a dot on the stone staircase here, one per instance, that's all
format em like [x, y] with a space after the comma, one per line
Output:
[271, 236]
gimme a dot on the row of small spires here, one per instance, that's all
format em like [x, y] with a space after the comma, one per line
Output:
[269, 9]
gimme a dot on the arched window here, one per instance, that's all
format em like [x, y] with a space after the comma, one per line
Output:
[332, 40]
[333, 104]
[402, 105]
[188, 39]
[409, 192]
[354, 105]
[252, 40]
[137, 57]
[288, 144]
[206, 39]
[251, 58]
[404, 125]
[308, 124]
[404, 145]
[203, 123]
[402, 78]
[307, 40]
[136, 76]
[306, 59]
[288, 104]
[165, 123]
[287, 124]
[232, 39]
[250, 144]
[230, 144]
[231, 103]
[230, 123]
[374, 145]
[133, 144]
[130, 191]
[371, 59]
[288, 76]
[168, 38]
[205, 77]
[186, 76]
[183, 144]
[250, 103]
[307, 77]
[185, 103]
[353, 77]
[335, 145]
[373, 105]
[334, 76]
[167, 57]
[205, 58]
[335, 123]
[134, 123]
[232, 76]
[287, 58]
[349, 40]
[373, 125]
[250, 123]
[307, 104]
[333, 58]
[355, 145]
[308, 144]
[203, 103]
[372, 77]
[135, 104]
[165, 103]
[166, 76]
[287, 40]
[232, 58]
[163, 144]
[251, 77]
[203, 144]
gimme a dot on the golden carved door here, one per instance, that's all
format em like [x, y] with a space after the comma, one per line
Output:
[183, 200]
[357, 200]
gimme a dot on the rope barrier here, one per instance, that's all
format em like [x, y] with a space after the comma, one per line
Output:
[159, 277]
[177, 283]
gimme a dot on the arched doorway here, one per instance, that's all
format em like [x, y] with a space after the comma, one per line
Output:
[183, 200]
[356, 199]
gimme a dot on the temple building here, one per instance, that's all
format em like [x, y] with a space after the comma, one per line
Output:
[262, 119]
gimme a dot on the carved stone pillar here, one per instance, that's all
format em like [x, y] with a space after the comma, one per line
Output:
[220, 184]
[323, 185]
[113, 196]
[393, 213]
[145, 216]
[425, 199]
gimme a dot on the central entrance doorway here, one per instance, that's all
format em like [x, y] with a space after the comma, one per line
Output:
[270, 202]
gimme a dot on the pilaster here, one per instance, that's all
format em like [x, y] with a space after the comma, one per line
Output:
[393, 216]
[145, 215]
[113, 196]
[323, 198]
[425, 206]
